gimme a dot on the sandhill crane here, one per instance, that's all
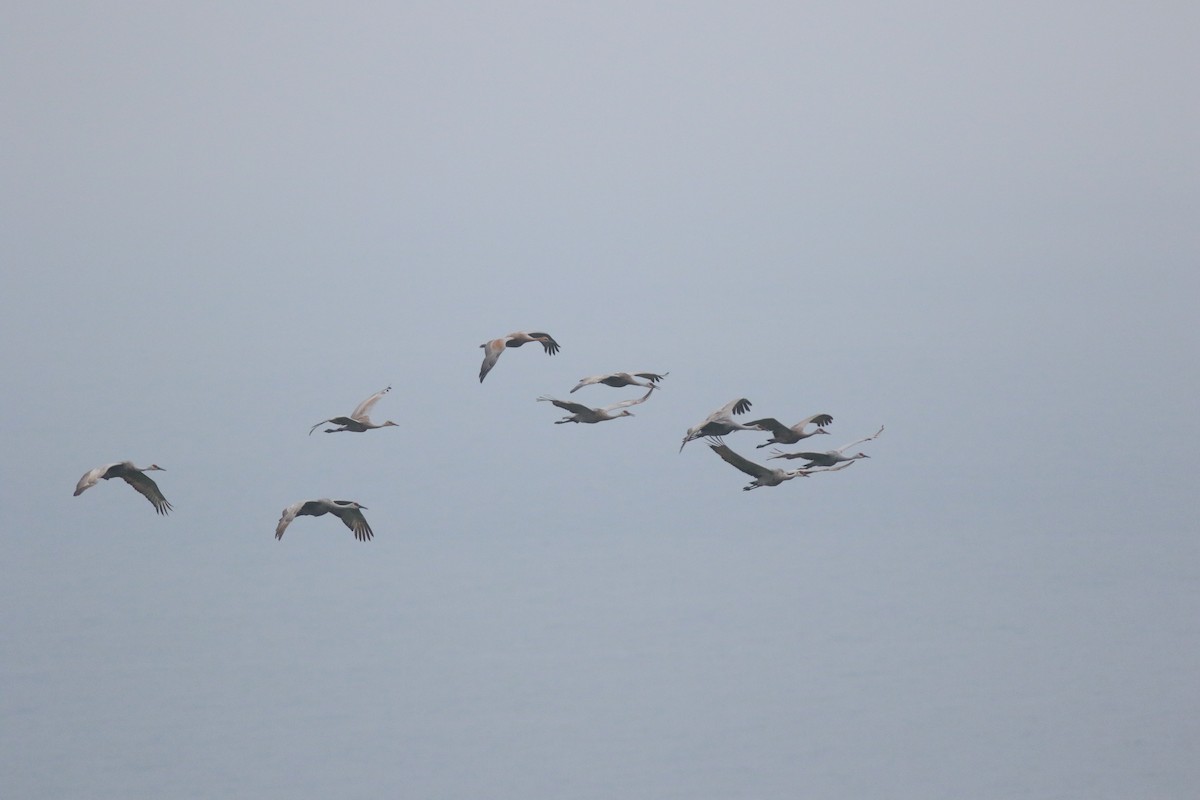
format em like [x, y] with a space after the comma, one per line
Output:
[348, 511]
[720, 422]
[619, 379]
[829, 457]
[134, 476]
[790, 434]
[493, 349]
[586, 414]
[358, 421]
[765, 476]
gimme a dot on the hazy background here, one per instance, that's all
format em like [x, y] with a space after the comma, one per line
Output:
[975, 223]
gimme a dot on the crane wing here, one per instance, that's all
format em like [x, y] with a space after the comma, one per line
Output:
[809, 456]
[364, 408]
[588, 381]
[567, 405]
[744, 464]
[842, 465]
[547, 341]
[92, 477]
[491, 352]
[626, 403]
[289, 514]
[739, 406]
[860, 441]
[354, 520]
[149, 489]
[769, 424]
[820, 420]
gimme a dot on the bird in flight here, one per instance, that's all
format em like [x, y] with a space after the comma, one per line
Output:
[347, 511]
[134, 476]
[829, 457]
[790, 434]
[586, 414]
[720, 422]
[493, 349]
[358, 421]
[619, 379]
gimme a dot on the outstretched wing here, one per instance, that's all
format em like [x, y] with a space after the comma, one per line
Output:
[491, 353]
[740, 406]
[769, 424]
[91, 478]
[567, 405]
[807, 456]
[346, 421]
[820, 420]
[745, 465]
[547, 341]
[354, 520]
[860, 441]
[289, 514]
[588, 381]
[626, 403]
[146, 485]
[842, 465]
[364, 408]
[653, 377]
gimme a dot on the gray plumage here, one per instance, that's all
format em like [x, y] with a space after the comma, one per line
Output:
[764, 476]
[587, 414]
[133, 475]
[347, 511]
[720, 422]
[829, 457]
[492, 349]
[359, 419]
[619, 379]
[790, 434]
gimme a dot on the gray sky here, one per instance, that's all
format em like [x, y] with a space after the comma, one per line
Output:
[974, 223]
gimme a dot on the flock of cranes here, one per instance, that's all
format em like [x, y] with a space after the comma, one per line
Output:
[713, 428]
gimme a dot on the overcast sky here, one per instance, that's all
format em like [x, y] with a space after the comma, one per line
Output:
[974, 223]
